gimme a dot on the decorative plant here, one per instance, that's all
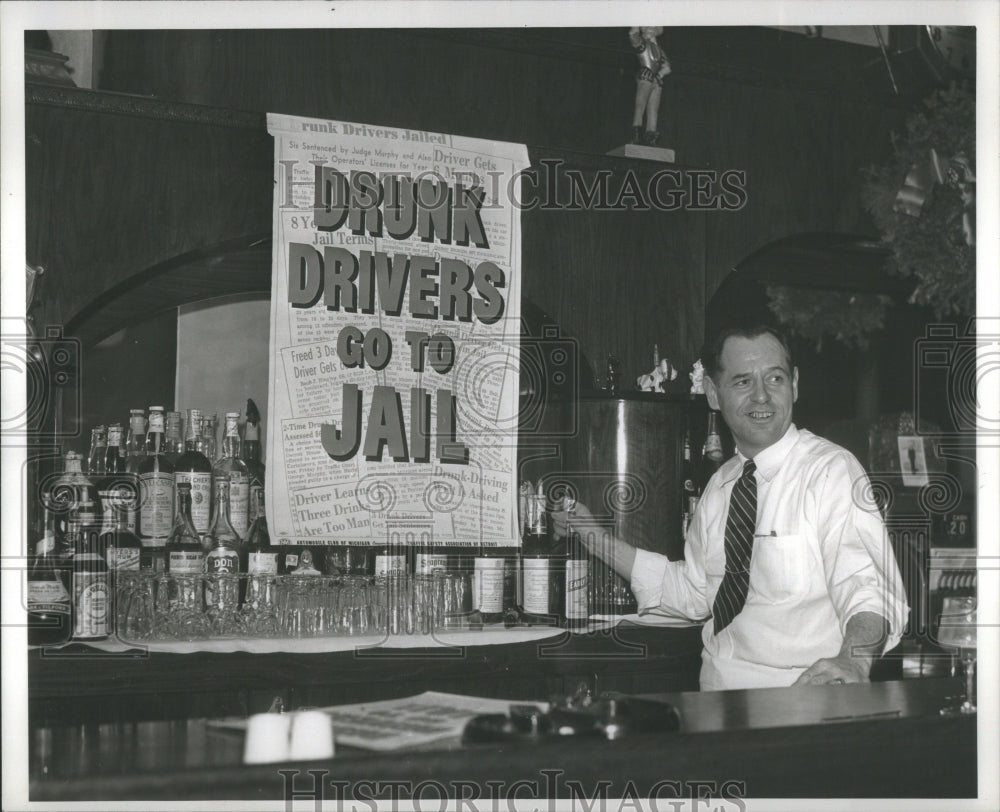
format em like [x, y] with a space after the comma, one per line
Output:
[923, 203]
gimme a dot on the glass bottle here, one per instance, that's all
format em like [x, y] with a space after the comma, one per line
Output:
[711, 455]
[174, 442]
[689, 486]
[184, 552]
[576, 605]
[114, 454]
[251, 456]
[71, 489]
[156, 484]
[489, 582]
[429, 557]
[390, 558]
[231, 464]
[210, 431]
[261, 557]
[50, 611]
[122, 548]
[98, 448]
[194, 469]
[541, 575]
[135, 443]
[91, 591]
[222, 544]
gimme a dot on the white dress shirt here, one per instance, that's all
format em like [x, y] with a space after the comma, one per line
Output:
[820, 555]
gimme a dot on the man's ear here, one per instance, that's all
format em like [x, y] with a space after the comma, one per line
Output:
[711, 393]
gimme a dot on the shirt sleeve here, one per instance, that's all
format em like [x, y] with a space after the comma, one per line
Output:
[672, 588]
[860, 566]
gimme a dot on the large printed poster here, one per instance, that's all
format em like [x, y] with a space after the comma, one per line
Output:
[395, 315]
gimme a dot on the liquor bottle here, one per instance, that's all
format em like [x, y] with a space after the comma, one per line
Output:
[156, 487]
[210, 432]
[489, 583]
[98, 448]
[231, 464]
[576, 603]
[114, 453]
[122, 548]
[261, 557]
[689, 486]
[91, 591]
[71, 489]
[174, 443]
[251, 455]
[184, 552]
[541, 575]
[50, 611]
[711, 455]
[193, 468]
[135, 443]
[389, 558]
[222, 544]
[429, 558]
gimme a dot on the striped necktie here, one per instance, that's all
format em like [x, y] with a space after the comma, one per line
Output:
[740, 525]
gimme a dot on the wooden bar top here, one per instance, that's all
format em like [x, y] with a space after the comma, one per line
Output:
[869, 740]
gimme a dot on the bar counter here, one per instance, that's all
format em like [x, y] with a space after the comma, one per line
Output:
[78, 684]
[869, 740]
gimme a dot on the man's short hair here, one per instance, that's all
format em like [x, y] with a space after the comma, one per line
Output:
[711, 357]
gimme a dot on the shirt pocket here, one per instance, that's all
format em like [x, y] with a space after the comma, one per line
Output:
[779, 569]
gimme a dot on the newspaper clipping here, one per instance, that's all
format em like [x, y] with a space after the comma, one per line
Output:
[395, 316]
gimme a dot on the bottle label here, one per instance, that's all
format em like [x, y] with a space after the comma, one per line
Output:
[157, 512]
[535, 582]
[90, 597]
[429, 563]
[390, 565]
[201, 497]
[122, 558]
[48, 596]
[186, 562]
[577, 578]
[255, 488]
[156, 422]
[291, 560]
[221, 560]
[488, 596]
[239, 504]
[262, 563]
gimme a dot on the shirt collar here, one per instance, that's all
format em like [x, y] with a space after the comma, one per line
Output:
[767, 461]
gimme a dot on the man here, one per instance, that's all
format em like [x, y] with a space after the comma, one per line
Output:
[788, 564]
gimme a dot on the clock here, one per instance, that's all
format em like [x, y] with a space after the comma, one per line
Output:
[952, 49]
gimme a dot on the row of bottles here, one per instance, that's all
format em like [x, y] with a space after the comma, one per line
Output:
[152, 454]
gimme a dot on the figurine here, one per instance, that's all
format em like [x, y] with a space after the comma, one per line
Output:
[653, 66]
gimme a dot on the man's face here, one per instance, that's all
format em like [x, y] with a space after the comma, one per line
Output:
[754, 390]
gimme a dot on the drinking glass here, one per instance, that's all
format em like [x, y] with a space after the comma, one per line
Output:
[260, 613]
[957, 630]
[222, 601]
[136, 623]
[300, 606]
[453, 599]
[354, 609]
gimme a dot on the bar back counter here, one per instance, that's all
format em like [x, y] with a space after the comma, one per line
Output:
[876, 740]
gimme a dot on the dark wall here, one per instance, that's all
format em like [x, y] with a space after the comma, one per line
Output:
[799, 117]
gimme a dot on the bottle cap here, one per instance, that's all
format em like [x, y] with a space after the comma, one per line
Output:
[267, 738]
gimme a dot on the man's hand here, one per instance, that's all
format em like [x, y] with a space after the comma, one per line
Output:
[834, 671]
[599, 539]
[863, 641]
